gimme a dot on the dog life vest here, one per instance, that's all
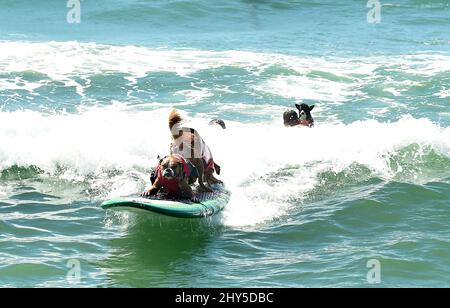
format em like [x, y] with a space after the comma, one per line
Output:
[172, 186]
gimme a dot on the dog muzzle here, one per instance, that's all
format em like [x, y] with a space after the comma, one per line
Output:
[168, 173]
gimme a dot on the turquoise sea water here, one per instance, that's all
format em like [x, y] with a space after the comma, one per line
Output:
[83, 110]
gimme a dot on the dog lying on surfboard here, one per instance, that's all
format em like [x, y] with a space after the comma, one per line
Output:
[190, 160]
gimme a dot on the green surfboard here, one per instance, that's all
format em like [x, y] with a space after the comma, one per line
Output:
[202, 205]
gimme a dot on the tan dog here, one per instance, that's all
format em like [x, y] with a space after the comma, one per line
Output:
[188, 143]
[174, 175]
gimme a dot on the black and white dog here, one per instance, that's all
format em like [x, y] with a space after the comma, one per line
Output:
[304, 116]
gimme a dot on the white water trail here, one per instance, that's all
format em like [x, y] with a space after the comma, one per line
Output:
[264, 165]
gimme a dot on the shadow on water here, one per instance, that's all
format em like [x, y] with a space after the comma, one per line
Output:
[157, 251]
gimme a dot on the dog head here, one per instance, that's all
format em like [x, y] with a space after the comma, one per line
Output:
[305, 112]
[172, 167]
[290, 118]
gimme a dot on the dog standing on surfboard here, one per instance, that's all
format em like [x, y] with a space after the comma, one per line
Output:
[190, 160]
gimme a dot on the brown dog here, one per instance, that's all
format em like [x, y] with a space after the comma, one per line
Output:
[188, 143]
[174, 175]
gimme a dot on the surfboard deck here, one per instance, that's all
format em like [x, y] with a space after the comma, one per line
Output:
[202, 205]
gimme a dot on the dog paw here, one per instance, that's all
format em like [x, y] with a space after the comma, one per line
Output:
[149, 193]
[145, 193]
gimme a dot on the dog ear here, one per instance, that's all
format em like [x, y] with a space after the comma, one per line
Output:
[311, 108]
[298, 106]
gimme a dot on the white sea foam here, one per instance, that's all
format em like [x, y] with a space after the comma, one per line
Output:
[117, 138]
[67, 62]
[94, 141]
[444, 93]
[302, 87]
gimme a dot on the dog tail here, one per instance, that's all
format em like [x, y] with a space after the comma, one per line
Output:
[174, 121]
[217, 168]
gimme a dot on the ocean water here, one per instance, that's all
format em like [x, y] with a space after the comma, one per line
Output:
[83, 115]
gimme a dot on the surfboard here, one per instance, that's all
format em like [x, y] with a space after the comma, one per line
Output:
[202, 205]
